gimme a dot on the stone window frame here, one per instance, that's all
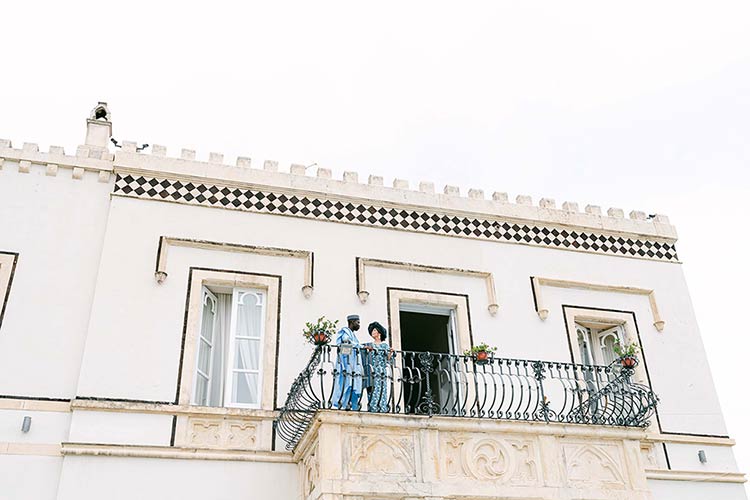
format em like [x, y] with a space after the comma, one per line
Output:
[8, 261]
[626, 319]
[458, 302]
[271, 284]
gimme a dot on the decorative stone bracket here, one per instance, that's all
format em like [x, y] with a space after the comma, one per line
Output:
[543, 312]
[362, 263]
[165, 242]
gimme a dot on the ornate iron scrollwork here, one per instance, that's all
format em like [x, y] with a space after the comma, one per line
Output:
[427, 383]
[427, 360]
[428, 405]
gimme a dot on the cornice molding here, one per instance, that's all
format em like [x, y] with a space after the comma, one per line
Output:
[696, 476]
[171, 452]
[36, 449]
[165, 242]
[169, 409]
[34, 405]
[538, 282]
[362, 263]
[691, 439]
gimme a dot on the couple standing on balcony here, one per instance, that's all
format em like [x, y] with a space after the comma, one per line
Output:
[361, 365]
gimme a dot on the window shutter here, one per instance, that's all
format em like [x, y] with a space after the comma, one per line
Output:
[205, 348]
[606, 340]
[584, 340]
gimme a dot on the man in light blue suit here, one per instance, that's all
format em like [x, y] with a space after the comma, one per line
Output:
[347, 391]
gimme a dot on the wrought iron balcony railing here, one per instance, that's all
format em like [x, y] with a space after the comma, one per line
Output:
[423, 383]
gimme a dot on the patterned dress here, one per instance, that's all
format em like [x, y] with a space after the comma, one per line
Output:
[379, 372]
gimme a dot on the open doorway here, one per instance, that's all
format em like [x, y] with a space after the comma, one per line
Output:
[427, 380]
[424, 331]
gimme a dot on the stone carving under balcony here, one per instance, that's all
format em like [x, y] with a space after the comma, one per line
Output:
[389, 455]
[205, 433]
[218, 432]
[373, 456]
[503, 460]
[648, 453]
[310, 471]
[594, 466]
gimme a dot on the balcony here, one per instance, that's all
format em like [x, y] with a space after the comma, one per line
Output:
[446, 385]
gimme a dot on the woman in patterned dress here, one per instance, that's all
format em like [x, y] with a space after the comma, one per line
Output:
[379, 357]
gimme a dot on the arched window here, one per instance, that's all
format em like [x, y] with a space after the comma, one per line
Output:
[607, 340]
[596, 342]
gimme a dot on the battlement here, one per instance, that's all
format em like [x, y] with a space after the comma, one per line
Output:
[28, 158]
[95, 157]
[301, 179]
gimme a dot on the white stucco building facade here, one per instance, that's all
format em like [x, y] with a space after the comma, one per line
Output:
[113, 262]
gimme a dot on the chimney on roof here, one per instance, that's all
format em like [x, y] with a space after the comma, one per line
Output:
[99, 127]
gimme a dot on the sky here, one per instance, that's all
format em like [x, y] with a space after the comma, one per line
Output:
[636, 105]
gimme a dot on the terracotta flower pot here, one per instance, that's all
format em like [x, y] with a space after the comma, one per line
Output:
[482, 357]
[320, 338]
[628, 361]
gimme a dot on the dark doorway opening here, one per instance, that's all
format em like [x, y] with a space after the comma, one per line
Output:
[424, 332]
[426, 389]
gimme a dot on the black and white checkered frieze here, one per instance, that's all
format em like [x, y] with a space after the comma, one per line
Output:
[323, 208]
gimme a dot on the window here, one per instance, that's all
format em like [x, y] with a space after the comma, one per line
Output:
[229, 361]
[592, 333]
[596, 342]
[228, 356]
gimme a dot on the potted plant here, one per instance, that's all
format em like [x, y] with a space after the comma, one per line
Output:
[320, 332]
[481, 353]
[627, 353]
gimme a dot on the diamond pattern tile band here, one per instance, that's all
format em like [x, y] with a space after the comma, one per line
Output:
[323, 208]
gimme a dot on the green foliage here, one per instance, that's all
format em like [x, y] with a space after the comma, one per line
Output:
[479, 348]
[627, 350]
[322, 325]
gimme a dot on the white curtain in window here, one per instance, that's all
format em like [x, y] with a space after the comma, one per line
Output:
[245, 384]
[221, 348]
